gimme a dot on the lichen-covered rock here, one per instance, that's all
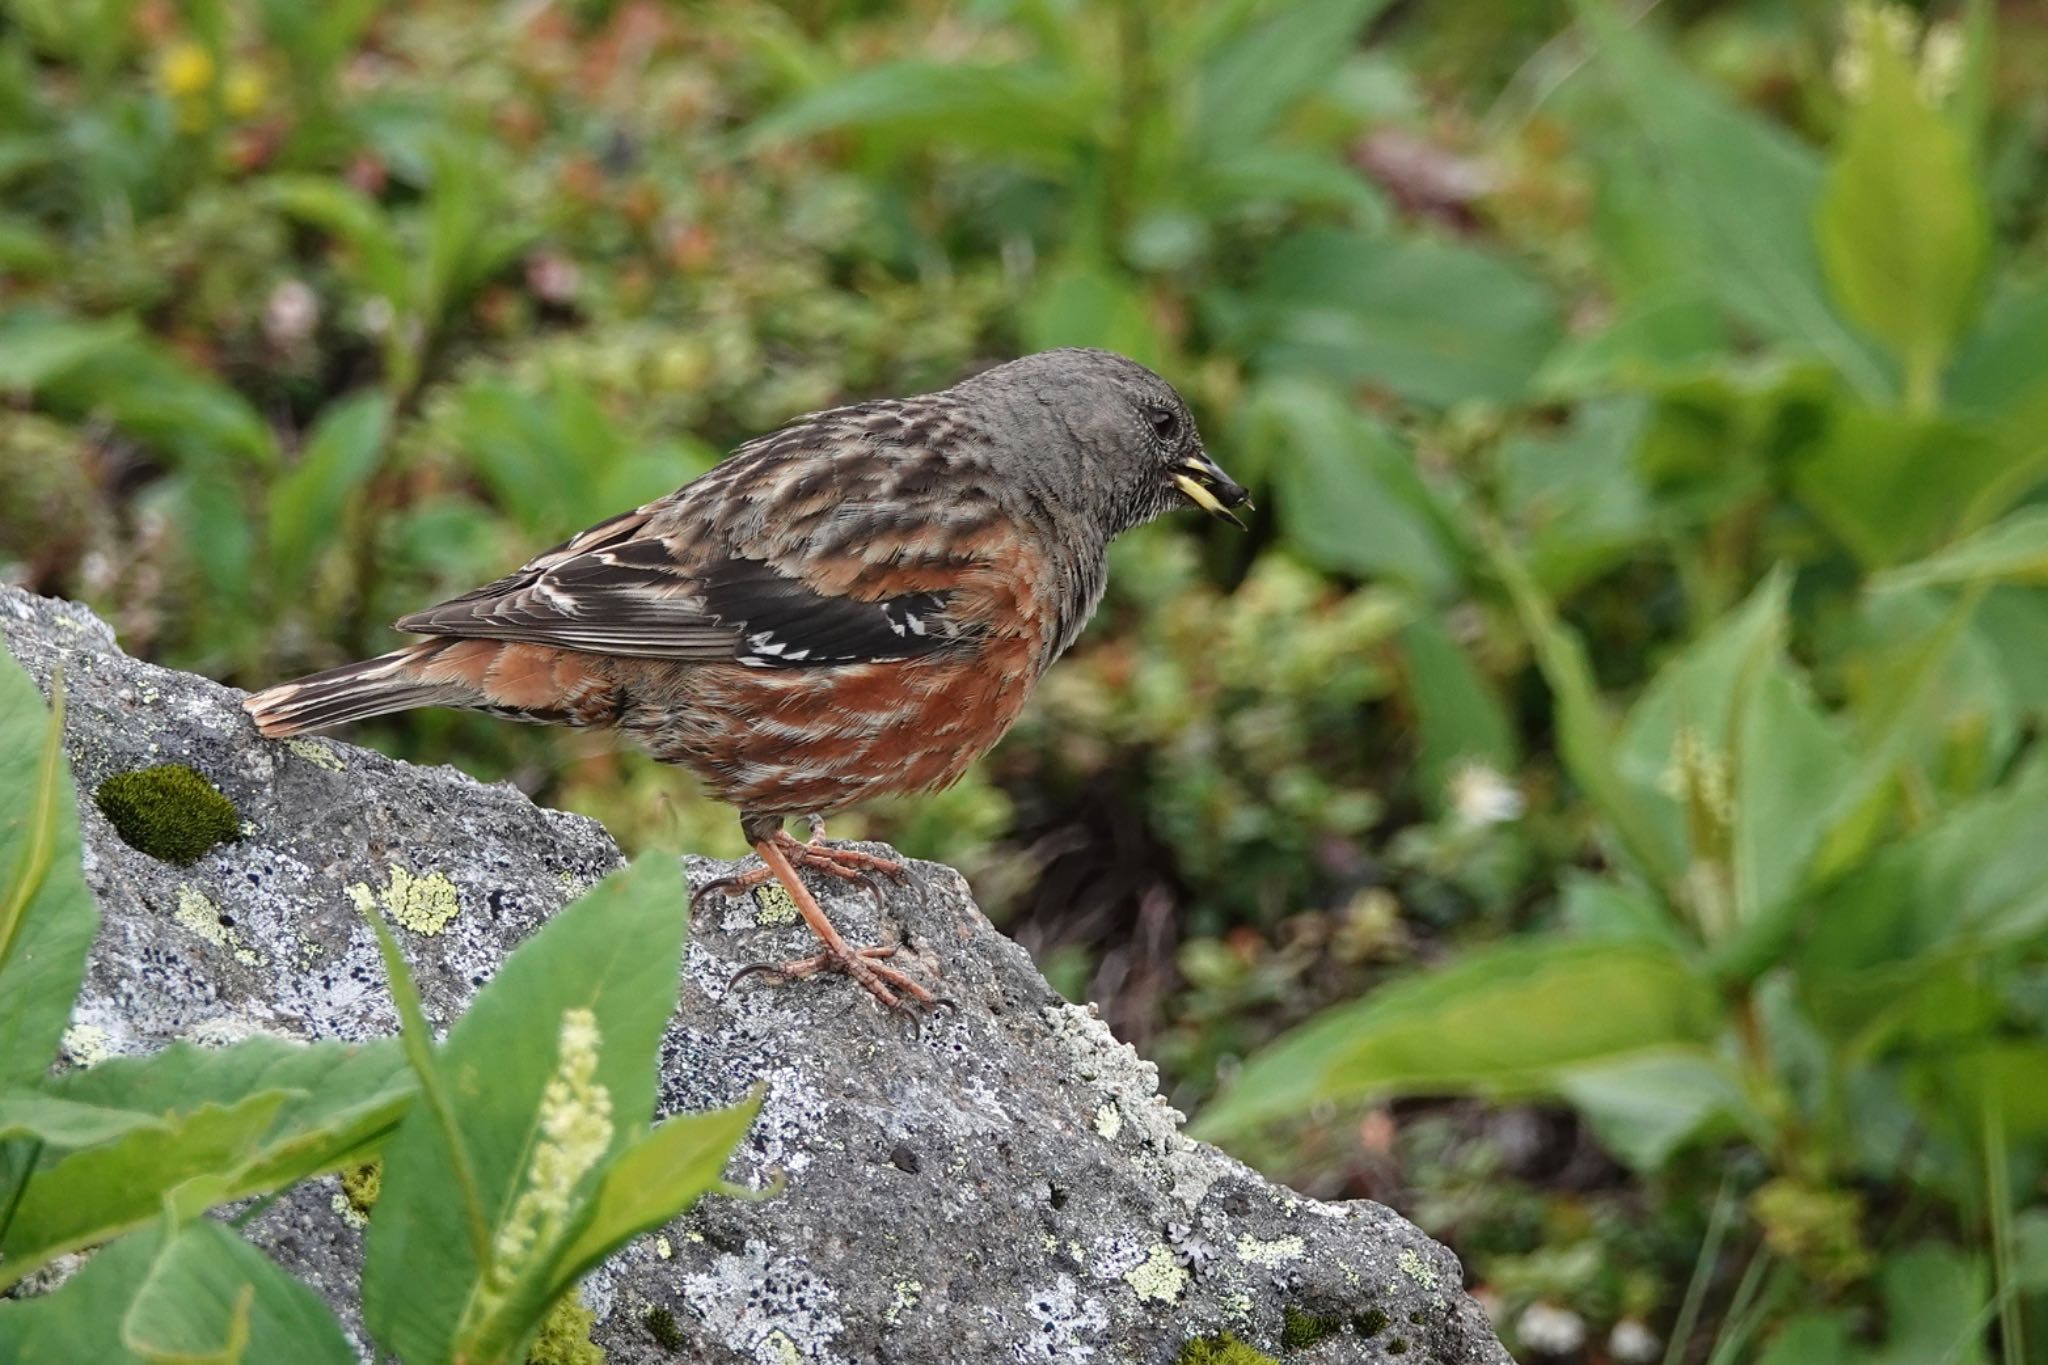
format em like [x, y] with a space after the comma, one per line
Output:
[1003, 1183]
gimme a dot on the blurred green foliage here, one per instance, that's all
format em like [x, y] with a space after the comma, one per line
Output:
[1637, 663]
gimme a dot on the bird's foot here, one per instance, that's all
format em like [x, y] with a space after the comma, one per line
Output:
[864, 965]
[846, 864]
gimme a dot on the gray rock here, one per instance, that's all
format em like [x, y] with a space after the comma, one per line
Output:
[1003, 1183]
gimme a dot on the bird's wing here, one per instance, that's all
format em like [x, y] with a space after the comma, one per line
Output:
[792, 553]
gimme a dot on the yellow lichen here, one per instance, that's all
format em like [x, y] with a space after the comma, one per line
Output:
[1159, 1276]
[1269, 1253]
[1415, 1268]
[422, 904]
[316, 753]
[664, 1248]
[1109, 1121]
[773, 906]
[786, 1352]
[88, 1044]
[202, 917]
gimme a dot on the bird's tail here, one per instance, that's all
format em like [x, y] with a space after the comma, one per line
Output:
[398, 681]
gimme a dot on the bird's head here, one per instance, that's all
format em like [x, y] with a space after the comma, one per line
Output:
[1105, 430]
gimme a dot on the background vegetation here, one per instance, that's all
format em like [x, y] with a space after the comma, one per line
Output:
[1611, 770]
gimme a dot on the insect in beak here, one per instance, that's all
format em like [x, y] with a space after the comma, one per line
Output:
[1212, 490]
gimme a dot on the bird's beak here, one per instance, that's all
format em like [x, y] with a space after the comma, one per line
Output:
[1212, 490]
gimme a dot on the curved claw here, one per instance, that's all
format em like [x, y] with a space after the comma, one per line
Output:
[720, 886]
[774, 969]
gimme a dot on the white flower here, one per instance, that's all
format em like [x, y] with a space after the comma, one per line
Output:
[575, 1132]
[1632, 1343]
[1549, 1330]
[1480, 795]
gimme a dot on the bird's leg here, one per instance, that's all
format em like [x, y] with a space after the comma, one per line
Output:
[862, 964]
[847, 864]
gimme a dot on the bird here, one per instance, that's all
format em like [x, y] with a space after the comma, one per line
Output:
[854, 605]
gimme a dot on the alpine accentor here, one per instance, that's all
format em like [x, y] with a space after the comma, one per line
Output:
[854, 605]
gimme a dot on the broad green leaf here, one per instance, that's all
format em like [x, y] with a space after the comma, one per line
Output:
[1350, 500]
[1746, 188]
[62, 1124]
[307, 504]
[162, 400]
[355, 218]
[1644, 1108]
[1997, 372]
[1903, 228]
[1256, 76]
[1811, 1339]
[1038, 113]
[47, 915]
[2014, 550]
[1080, 303]
[350, 1095]
[1227, 183]
[1511, 1019]
[1586, 731]
[37, 346]
[1458, 711]
[99, 1192]
[1934, 1297]
[1792, 762]
[1575, 496]
[157, 1290]
[1434, 321]
[653, 1180]
[614, 954]
[209, 1296]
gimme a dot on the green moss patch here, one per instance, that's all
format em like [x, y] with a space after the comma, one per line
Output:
[362, 1184]
[564, 1336]
[1372, 1322]
[1223, 1349]
[661, 1325]
[168, 811]
[1300, 1330]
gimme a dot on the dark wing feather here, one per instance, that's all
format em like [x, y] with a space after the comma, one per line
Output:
[672, 580]
[610, 590]
[785, 623]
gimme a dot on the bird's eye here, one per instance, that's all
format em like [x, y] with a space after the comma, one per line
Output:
[1165, 421]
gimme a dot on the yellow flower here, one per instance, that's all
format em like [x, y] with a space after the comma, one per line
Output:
[186, 69]
[244, 91]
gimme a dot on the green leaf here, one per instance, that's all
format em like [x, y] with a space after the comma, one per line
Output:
[307, 505]
[1350, 500]
[1575, 496]
[1903, 227]
[2014, 550]
[615, 954]
[61, 1124]
[1585, 726]
[173, 1295]
[36, 346]
[1434, 321]
[210, 1297]
[47, 915]
[1256, 76]
[346, 212]
[1998, 373]
[1458, 711]
[655, 1179]
[1645, 1108]
[1039, 113]
[1510, 1019]
[160, 399]
[98, 1192]
[1746, 189]
[349, 1094]
[1810, 1339]
[1080, 303]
